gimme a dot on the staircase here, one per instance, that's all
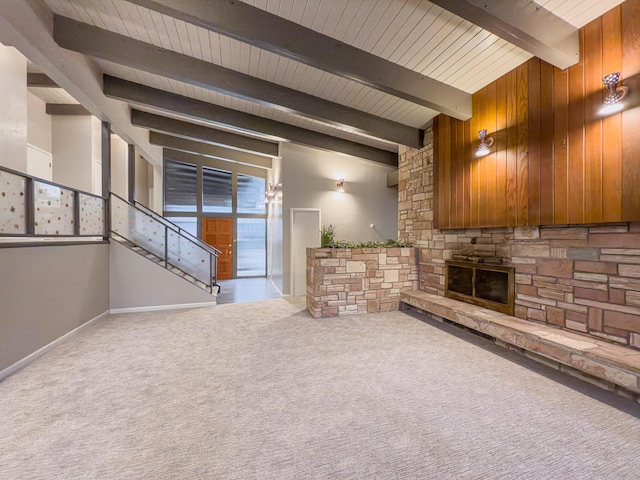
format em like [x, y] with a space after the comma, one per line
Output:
[154, 237]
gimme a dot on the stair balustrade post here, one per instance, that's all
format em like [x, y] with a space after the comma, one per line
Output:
[29, 201]
[211, 272]
[166, 247]
[76, 212]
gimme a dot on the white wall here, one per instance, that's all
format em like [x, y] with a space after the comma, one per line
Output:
[138, 283]
[274, 229]
[119, 167]
[13, 109]
[96, 156]
[39, 157]
[74, 156]
[156, 193]
[309, 179]
[38, 123]
[50, 291]
[144, 180]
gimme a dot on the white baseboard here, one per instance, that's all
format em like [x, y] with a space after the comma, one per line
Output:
[155, 308]
[273, 284]
[20, 364]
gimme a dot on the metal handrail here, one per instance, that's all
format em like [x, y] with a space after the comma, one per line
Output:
[30, 213]
[49, 182]
[178, 228]
[212, 252]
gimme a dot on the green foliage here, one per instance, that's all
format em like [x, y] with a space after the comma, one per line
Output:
[371, 244]
[328, 240]
[327, 236]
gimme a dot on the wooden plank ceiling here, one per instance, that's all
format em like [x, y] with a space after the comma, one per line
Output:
[415, 34]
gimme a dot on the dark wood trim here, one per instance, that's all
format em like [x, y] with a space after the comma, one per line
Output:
[131, 171]
[40, 80]
[66, 109]
[159, 99]
[106, 173]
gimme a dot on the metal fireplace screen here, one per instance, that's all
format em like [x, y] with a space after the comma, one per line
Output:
[487, 286]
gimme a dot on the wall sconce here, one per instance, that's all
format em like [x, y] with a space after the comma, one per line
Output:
[485, 143]
[270, 193]
[615, 94]
[340, 185]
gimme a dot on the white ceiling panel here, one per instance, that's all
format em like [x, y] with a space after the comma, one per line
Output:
[418, 35]
[415, 34]
[578, 12]
[129, 20]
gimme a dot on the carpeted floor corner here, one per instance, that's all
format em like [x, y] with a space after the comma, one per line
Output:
[263, 391]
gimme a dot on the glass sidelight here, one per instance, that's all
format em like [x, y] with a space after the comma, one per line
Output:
[251, 244]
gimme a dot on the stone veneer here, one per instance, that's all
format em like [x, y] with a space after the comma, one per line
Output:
[583, 278]
[345, 281]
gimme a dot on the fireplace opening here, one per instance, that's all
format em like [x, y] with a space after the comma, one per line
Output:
[487, 286]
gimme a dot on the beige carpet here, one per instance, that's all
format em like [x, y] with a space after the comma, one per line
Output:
[263, 391]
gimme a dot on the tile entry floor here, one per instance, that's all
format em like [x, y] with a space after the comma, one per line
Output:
[241, 290]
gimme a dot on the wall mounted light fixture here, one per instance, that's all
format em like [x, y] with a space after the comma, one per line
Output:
[340, 185]
[270, 193]
[615, 94]
[485, 143]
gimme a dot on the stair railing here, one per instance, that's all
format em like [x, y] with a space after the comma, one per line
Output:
[178, 228]
[164, 241]
[33, 209]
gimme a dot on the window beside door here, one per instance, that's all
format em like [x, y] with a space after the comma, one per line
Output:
[251, 243]
[217, 187]
[180, 186]
[221, 193]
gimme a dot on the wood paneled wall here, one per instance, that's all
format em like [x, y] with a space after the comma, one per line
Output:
[555, 160]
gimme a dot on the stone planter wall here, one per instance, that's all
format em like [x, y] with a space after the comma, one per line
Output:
[345, 281]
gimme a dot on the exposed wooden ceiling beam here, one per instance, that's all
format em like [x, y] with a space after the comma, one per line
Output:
[170, 102]
[214, 151]
[524, 24]
[40, 80]
[123, 50]
[265, 30]
[66, 109]
[202, 133]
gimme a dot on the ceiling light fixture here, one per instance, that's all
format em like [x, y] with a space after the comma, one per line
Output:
[615, 94]
[485, 143]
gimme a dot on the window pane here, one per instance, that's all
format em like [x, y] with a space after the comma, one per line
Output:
[179, 187]
[216, 191]
[251, 194]
[190, 224]
[252, 252]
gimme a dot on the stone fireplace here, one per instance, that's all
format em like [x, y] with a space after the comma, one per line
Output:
[584, 278]
[488, 286]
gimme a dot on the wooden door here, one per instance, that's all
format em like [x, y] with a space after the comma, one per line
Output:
[218, 232]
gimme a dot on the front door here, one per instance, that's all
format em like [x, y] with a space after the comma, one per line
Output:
[218, 232]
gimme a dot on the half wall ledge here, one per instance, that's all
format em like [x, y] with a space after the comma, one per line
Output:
[351, 281]
[617, 365]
